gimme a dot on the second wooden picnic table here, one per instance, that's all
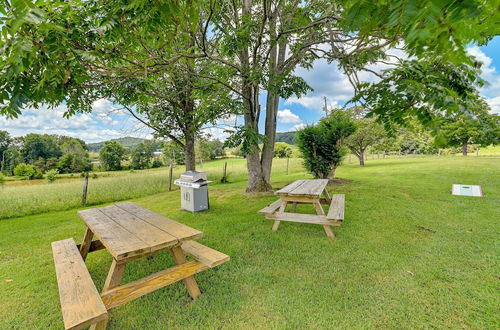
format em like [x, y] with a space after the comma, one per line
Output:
[307, 191]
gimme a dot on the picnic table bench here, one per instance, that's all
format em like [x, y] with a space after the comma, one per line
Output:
[307, 192]
[128, 232]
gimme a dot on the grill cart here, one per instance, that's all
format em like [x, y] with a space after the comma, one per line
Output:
[194, 191]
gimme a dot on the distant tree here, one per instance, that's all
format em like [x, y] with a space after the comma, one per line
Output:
[73, 163]
[367, 134]
[142, 155]
[112, 155]
[477, 127]
[12, 157]
[282, 150]
[5, 141]
[173, 153]
[40, 146]
[67, 143]
[322, 145]
[156, 163]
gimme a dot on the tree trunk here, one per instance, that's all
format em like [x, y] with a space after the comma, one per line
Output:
[189, 153]
[331, 175]
[464, 148]
[361, 157]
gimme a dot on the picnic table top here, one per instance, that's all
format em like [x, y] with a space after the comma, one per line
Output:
[308, 187]
[129, 230]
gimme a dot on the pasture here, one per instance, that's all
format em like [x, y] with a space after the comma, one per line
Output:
[408, 253]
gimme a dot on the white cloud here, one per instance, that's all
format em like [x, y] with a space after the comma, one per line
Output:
[298, 127]
[491, 91]
[494, 104]
[329, 81]
[102, 106]
[286, 116]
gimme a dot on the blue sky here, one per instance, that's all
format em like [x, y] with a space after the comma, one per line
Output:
[106, 121]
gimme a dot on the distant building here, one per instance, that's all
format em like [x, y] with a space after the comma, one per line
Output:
[157, 154]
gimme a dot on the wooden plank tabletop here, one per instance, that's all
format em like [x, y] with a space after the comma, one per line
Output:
[127, 229]
[311, 188]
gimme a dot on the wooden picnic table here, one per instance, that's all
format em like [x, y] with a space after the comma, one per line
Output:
[128, 232]
[307, 191]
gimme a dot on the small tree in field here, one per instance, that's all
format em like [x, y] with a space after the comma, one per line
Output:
[367, 134]
[282, 150]
[322, 145]
[477, 127]
[111, 155]
[142, 155]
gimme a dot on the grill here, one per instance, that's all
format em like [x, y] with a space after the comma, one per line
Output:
[194, 191]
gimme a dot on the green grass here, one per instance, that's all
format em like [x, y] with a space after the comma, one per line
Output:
[28, 197]
[382, 271]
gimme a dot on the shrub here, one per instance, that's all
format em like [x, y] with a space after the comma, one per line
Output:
[51, 175]
[94, 176]
[28, 171]
[321, 145]
[37, 174]
[24, 170]
[2, 178]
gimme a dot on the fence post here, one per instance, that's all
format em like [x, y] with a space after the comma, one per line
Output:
[287, 162]
[224, 173]
[85, 186]
[477, 152]
[170, 177]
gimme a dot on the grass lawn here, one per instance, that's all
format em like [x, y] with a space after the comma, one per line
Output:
[409, 255]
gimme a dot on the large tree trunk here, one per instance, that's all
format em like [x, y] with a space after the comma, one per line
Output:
[189, 153]
[464, 148]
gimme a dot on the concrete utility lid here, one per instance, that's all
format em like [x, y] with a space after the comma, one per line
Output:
[466, 190]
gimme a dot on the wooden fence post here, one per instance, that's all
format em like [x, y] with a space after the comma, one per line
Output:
[224, 173]
[287, 163]
[170, 176]
[85, 186]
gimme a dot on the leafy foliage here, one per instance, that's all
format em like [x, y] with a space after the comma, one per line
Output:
[111, 155]
[51, 175]
[322, 145]
[29, 171]
[142, 155]
[367, 134]
[477, 126]
[282, 150]
[422, 90]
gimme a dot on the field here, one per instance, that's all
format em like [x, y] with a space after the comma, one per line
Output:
[409, 254]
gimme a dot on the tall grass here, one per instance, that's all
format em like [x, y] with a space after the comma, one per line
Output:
[27, 199]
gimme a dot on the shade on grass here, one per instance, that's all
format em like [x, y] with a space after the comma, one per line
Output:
[409, 255]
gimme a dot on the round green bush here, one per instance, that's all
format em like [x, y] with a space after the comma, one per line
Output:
[51, 175]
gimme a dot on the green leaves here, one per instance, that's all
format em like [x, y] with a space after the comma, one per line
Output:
[424, 90]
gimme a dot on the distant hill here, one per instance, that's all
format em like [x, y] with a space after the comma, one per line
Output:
[128, 142]
[287, 137]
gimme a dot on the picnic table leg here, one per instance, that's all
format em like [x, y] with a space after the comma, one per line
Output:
[276, 224]
[99, 325]
[190, 282]
[114, 276]
[319, 211]
[87, 239]
[327, 195]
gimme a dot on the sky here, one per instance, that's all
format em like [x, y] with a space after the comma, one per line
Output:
[107, 121]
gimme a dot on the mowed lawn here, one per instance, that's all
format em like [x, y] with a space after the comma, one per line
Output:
[409, 255]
